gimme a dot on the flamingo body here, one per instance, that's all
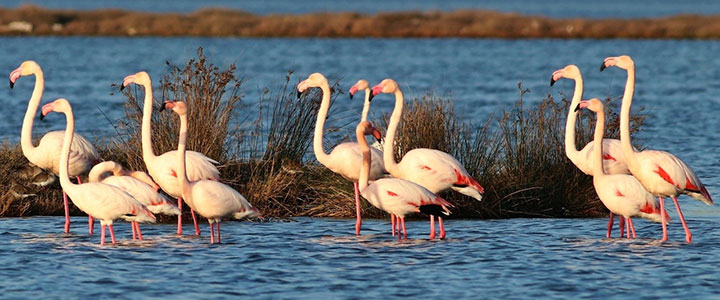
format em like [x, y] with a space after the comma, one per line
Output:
[613, 158]
[662, 173]
[145, 194]
[215, 201]
[624, 195]
[437, 171]
[401, 197]
[164, 170]
[346, 158]
[108, 203]
[82, 154]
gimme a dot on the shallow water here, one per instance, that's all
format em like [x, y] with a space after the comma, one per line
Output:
[313, 258]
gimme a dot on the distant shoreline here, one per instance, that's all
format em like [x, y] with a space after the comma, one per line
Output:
[31, 20]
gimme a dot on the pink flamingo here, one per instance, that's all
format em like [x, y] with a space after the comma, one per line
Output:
[613, 158]
[211, 199]
[622, 194]
[345, 158]
[102, 201]
[661, 173]
[430, 168]
[137, 184]
[45, 155]
[163, 168]
[396, 196]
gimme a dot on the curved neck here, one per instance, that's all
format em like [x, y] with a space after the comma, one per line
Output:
[147, 149]
[625, 142]
[388, 153]
[26, 133]
[181, 174]
[597, 153]
[367, 159]
[570, 148]
[65, 151]
[320, 154]
[98, 170]
[366, 105]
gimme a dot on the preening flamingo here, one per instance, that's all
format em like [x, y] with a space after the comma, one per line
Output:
[163, 168]
[613, 158]
[345, 159]
[396, 196]
[137, 184]
[102, 201]
[661, 173]
[211, 199]
[622, 194]
[46, 156]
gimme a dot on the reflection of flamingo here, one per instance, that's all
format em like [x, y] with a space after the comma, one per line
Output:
[433, 169]
[163, 168]
[613, 158]
[663, 174]
[345, 158]
[397, 196]
[622, 194]
[82, 153]
[211, 199]
[102, 201]
[137, 184]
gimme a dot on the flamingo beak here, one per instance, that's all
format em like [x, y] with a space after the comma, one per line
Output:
[301, 87]
[582, 104]
[608, 62]
[127, 81]
[14, 75]
[377, 89]
[371, 95]
[166, 105]
[353, 90]
[46, 109]
[555, 77]
[378, 136]
[602, 67]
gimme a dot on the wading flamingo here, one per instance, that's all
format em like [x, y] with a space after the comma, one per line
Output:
[211, 199]
[396, 196]
[622, 194]
[662, 173]
[345, 159]
[102, 201]
[163, 168]
[613, 158]
[433, 169]
[137, 184]
[46, 156]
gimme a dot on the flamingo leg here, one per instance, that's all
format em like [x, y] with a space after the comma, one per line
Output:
[132, 225]
[622, 226]
[112, 233]
[212, 233]
[632, 227]
[179, 226]
[139, 233]
[197, 228]
[402, 220]
[218, 229]
[664, 222]
[102, 235]
[91, 224]
[688, 235]
[358, 218]
[610, 225]
[432, 227]
[392, 220]
[67, 213]
[627, 220]
[442, 228]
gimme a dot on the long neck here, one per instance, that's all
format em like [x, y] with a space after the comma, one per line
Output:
[98, 170]
[388, 154]
[181, 174]
[367, 159]
[625, 142]
[597, 153]
[366, 105]
[570, 148]
[148, 153]
[26, 133]
[65, 151]
[320, 154]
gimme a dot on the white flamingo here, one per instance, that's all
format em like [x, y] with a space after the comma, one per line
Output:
[433, 169]
[211, 199]
[345, 159]
[613, 158]
[102, 201]
[163, 168]
[622, 194]
[662, 173]
[396, 196]
[82, 153]
[362, 85]
[137, 184]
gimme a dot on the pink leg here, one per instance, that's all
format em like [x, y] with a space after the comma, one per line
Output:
[67, 213]
[102, 235]
[358, 218]
[132, 225]
[632, 227]
[139, 233]
[688, 235]
[218, 228]
[610, 225]
[212, 233]
[179, 226]
[627, 220]
[91, 224]
[442, 228]
[402, 220]
[432, 227]
[622, 226]
[664, 222]
[197, 228]
[392, 220]
[112, 233]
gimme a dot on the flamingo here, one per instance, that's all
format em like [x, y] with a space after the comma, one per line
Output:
[45, 155]
[622, 194]
[210, 198]
[345, 158]
[433, 169]
[613, 158]
[162, 168]
[102, 201]
[396, 196]
[137, 184]
[661, 173]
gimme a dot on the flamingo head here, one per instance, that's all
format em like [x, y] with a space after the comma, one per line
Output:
[314, 80]
[362, 84]
[569, 71]
[60, 105]
[593, 104]
[622, 61]
[27, 67]
[366, 128]
[177, 106]
[141, 78]
[387, 86]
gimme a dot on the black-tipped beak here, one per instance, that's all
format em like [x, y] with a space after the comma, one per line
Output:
[371, 97]
[379, 140]
[122, 87]
[12, 84]
[162, 107]
[552, 80]
[299, 93]
[351, 95]
[42, 116]
[602, 67]
[577, 107]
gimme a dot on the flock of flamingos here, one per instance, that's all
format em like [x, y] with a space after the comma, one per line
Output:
[626, 180]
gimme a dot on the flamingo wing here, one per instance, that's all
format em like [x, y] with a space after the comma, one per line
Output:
[143, 193]
[214, 200]
[346, 160]
[83, 154]
[107, 202]
[401, 197]
[613, 158]
[625, 195]
[438, 171]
